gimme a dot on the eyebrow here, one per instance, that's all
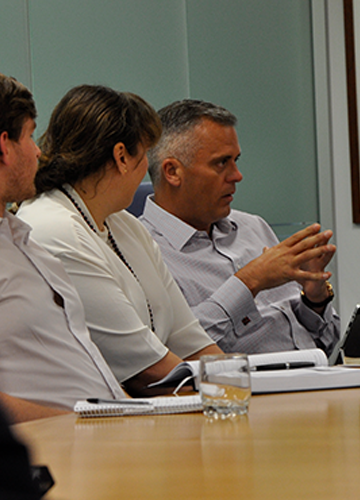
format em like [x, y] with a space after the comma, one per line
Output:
[226, 157]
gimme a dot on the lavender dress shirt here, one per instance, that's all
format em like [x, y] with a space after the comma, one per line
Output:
[203, 267]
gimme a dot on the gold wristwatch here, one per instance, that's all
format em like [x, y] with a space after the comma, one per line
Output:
[323, 303]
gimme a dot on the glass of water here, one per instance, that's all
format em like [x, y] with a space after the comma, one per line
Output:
[225, 385]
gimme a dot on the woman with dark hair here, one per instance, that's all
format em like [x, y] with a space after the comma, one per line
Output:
[94, 158]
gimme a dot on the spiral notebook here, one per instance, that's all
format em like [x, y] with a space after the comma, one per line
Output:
[143, 406]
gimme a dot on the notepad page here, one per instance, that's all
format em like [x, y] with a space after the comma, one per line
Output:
[159, 405]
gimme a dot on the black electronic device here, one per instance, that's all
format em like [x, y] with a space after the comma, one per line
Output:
[349, 343]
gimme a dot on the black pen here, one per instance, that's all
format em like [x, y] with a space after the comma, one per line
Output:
[126, 401]
[283, 366]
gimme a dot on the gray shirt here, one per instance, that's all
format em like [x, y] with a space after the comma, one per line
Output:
[46, 355]
[204, 268]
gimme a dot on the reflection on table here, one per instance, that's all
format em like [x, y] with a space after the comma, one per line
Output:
[290, 446]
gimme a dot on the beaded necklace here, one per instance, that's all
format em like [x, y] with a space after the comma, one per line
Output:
[113, 246]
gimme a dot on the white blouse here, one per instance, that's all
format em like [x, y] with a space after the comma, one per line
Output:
[115, 302]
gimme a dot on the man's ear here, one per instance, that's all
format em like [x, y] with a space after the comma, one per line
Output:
[4, 147]
[121, 157]
[172, 171]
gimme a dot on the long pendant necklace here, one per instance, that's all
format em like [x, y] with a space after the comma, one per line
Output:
[114, 247]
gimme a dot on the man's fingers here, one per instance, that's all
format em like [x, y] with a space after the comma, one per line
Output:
[325, 252]
[307, 238]
[301, 235]
[317, 241]
[312, 276]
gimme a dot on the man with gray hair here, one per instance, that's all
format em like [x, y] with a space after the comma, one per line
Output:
[250, 292]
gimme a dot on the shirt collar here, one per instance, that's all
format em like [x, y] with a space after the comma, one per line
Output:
[224, 226]
[177, 232]
[15, 228]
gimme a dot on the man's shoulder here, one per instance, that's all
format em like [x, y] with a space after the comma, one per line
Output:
[153, 215]
[161, 223]
[253, 225]
[236, 214]
[14, 230]
[247, 218]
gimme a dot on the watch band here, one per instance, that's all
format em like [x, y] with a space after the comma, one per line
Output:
[323, 303]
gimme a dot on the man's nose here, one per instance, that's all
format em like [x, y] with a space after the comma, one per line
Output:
[235, 175]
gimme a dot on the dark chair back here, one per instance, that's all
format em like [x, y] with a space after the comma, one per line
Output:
[137, 206]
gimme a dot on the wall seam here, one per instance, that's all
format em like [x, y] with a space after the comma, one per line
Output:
[28, 46]
[187, 69]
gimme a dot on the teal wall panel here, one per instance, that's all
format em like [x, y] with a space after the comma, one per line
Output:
[135, 45]
[252, 56]
[14, 40]
[255, 58]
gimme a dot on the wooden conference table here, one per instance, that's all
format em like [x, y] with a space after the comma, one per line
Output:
[290, 446]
